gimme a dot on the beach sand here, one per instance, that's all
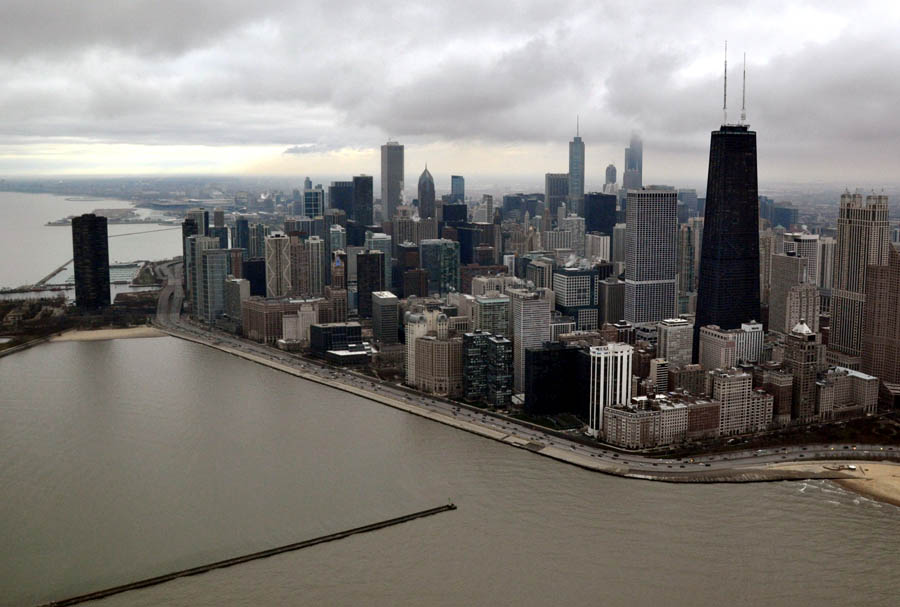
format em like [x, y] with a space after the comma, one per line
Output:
[876, 480]
[881, 482]
[103, 334]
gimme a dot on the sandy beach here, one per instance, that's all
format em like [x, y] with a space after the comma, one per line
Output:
[876, 480]
[881, 481]
[104, 334]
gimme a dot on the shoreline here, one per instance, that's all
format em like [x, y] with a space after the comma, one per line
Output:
[107, 334]
[881, 483]
[749, 473]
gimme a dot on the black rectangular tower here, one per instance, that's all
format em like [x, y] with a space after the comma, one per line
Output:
[728, 293]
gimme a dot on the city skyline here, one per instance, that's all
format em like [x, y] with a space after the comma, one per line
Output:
[149, 100]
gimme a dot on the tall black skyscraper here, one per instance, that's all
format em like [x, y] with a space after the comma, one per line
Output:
[241, 238]
[728, 292]
[361, 211]
[90, 249]
[340, 196]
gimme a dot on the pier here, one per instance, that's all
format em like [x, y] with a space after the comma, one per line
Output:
[101, 594]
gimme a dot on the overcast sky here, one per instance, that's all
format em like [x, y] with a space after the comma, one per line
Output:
[485, 89]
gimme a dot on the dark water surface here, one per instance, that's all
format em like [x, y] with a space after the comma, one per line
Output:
[127, 459]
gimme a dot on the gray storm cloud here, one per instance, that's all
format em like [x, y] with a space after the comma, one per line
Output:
[325, 76]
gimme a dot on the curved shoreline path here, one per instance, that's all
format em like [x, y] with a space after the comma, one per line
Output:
[830, 461]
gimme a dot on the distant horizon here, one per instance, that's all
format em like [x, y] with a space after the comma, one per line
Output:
[473, 87]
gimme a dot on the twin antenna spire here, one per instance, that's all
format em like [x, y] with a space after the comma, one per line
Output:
[743, 91]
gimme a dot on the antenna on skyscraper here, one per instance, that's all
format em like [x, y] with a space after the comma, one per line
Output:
[577, 124]
[744, 94]
[725, 88]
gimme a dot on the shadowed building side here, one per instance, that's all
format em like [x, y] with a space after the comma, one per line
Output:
[728, 292]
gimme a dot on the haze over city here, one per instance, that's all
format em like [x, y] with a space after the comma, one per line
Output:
[487, 90]
[450, 303]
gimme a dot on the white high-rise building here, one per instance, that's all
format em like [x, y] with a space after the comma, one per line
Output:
[531, 310]
[278, 266]
[610, 381]
[416, 326]
[651, 231]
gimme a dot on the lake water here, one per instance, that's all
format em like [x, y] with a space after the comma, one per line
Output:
[121, 460]
[29, 249]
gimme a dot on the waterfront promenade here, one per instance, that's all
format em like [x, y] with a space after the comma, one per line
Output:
[739, 466]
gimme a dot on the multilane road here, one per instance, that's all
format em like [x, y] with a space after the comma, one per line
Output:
[169, 318]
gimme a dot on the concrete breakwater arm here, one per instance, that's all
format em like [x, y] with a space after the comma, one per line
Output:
[101, 594]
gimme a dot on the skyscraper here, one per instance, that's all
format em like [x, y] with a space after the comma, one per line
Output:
[610, 177]
[863, 240]
[576, 174]
[340, 196]
[385, 317]
[439, 257]
[599, 212]
[361, 208]
[690, 241]
[213, 270]
[881, 329]
[193, 264]
[90, 252]
[241, 238]
[728, 292]
[369, 279]
[391, 178]
[792, 297]
[650, 235]
[426, 195]
[314, 202]
[457, 188]
[610, 381]
[278, 266]
[531, 326]
[633, 176]
[556, 192]
[802, 357]
[378, 241]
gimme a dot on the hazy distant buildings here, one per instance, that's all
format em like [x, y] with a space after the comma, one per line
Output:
[391, 178]
[457, 189]
[556, 192]
[426, 195]
[633, 175]
[650, 234]
[728, 292]
[576, 175]
[90, 252]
